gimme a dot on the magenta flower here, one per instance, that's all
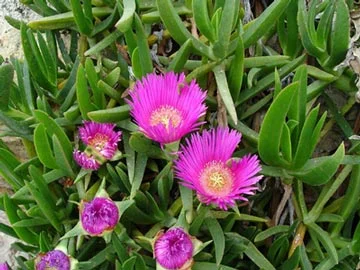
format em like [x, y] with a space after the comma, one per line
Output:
[205, 165]
[4, 266]
[166, 107]
[101, 141]
[98, 216]
[55, 259]
[174, 249]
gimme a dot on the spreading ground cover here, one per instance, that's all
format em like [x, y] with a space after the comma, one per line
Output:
[183, 135]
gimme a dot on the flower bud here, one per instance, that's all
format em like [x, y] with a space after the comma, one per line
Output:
[173, 250]
[98, 216]
[55, 260]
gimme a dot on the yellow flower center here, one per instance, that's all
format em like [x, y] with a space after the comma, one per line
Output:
[216, 179]
[99, 141]
[165, 115]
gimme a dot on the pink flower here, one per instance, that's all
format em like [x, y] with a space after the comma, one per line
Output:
[166, 107]
[101, 141]
[205, 165]
[4, 266]
[98, 216]
[55, 259]
[174, 249]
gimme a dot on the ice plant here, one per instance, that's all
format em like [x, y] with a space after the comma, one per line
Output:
[4, 266]
[55, 260]
[174, 249]
[205, 165]
[166, 107]
[101, 141]
[99, 216]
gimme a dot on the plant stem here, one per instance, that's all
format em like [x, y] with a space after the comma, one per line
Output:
[350, 201]
[326, 194]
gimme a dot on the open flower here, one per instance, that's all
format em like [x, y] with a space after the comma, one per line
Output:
[4, 266]
[166, 107]
[55, 259]
[99, 216]
[101, 141]
[174, 249]
[205, 165]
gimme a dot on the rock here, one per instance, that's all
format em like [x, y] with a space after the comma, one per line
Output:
[10, 43]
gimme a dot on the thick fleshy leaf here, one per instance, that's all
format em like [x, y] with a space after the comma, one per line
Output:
[319, 171]
[256, 29]
[272, 127]
[127, 16]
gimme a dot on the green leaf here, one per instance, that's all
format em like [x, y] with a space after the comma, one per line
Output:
[104, 43]
[61, 157]
[47, 209]
[6, 79]
[223, 90]
[327, 217]
[120, 248]
[8, 163]
[272, 127]
[65, 20]
[325, 240]
[31, 222]
[115, 114]
[278, 250]
[217, 235]
[82, 93]
[270, 232]
[307, 40]
[256, 29]
[34, 59]
[225, 28]
[11, 210]
[236, 72]
[202, 19]
[83, 18]
[177, 64]
[143, 47]
[293, 262]
[285, 143]
[140, 166]
[304, 149]
[43, 148]
[340, 35]
[108, 90]
[298, 108]
[176, 27]
[324, 26]
[265, 82]
[136, 64]
[319, 171]
[141, 144]
[53, 128]
[210, 266]
[127, 17]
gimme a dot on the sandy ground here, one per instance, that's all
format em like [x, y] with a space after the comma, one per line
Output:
[10, 45]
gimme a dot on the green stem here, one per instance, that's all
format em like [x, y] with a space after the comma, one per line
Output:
[326, 194]
[350, 201]
[300, 198]
[175, 207]
[81, 190]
